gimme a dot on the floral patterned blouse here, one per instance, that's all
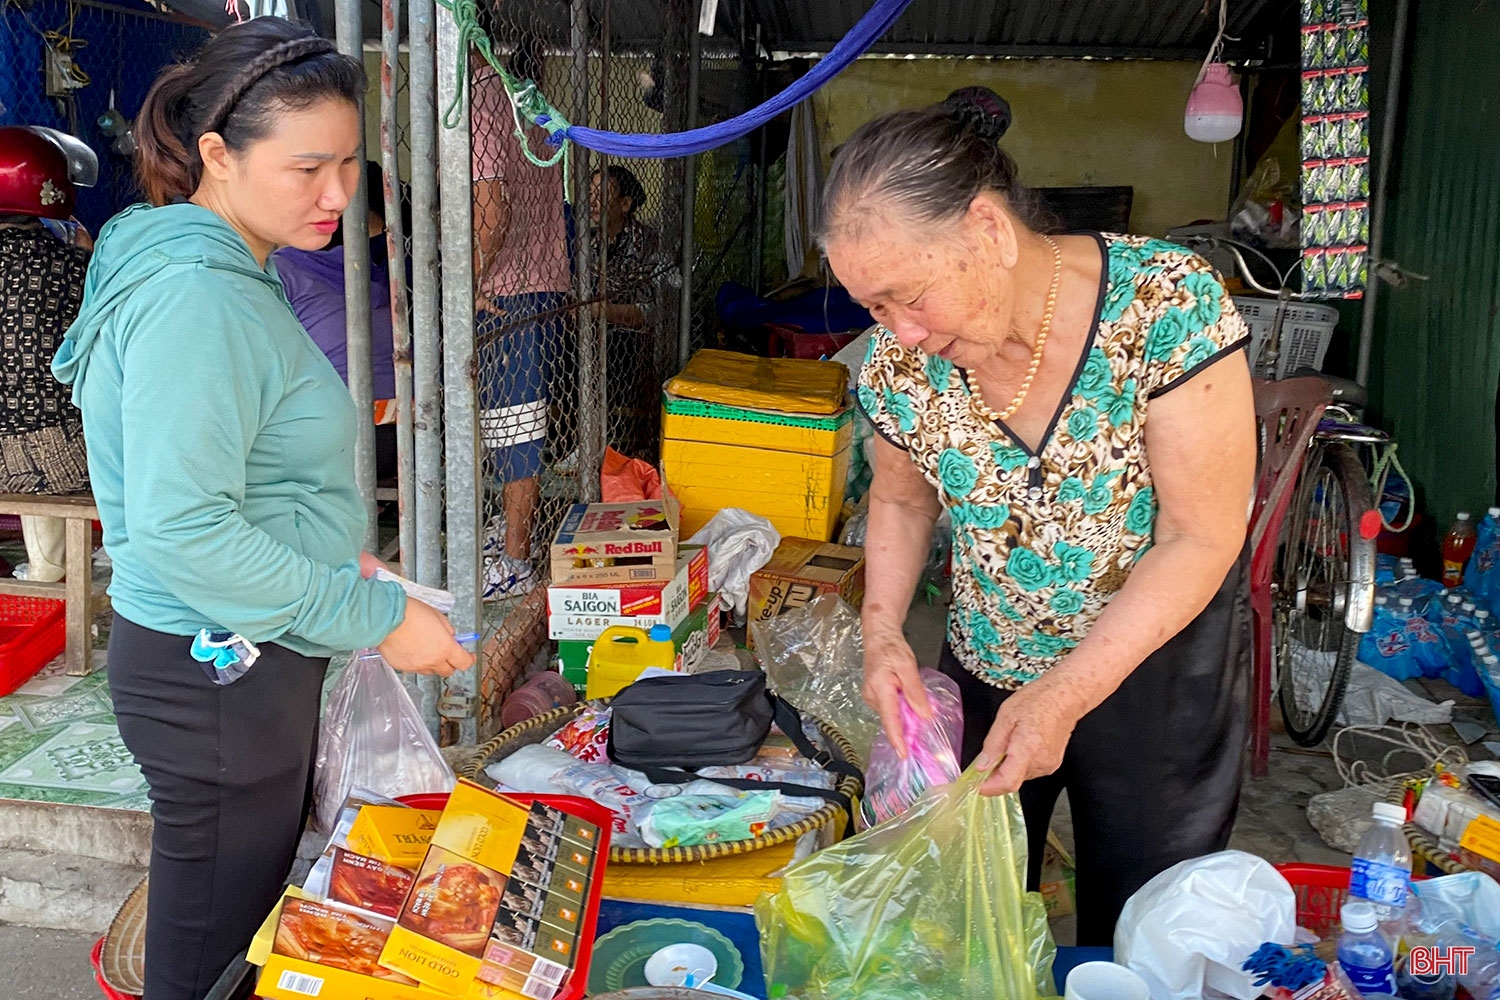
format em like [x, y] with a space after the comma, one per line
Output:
[1041, 541]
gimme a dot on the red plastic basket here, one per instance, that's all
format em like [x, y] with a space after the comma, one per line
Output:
[1320, 893]
[32, 632]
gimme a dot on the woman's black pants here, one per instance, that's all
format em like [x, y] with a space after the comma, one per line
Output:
[230, 775]
[1152, 774]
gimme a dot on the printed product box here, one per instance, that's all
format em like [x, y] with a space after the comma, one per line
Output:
[802, 569]
[373, 887]
[394, 834]
[583, 612]
[697, 634]
[312, 951]
[616, 543]
[470, 878]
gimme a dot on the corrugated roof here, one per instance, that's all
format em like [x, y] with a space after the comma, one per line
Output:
[1101, 28]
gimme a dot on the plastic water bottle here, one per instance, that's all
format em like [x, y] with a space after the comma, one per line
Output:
[1364, 953]
[1458, 545]
[1381, 872]
[1484, 565]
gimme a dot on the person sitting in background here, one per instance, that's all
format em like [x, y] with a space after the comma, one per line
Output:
[314, 283]
[41, 289]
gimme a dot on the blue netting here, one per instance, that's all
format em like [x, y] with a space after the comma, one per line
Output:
[120, 48]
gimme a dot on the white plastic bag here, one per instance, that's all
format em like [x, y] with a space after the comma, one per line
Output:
[1190, 928]
[374, 738]
[739, 543]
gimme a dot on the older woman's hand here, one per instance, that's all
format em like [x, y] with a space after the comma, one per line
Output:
[891, 671]
[1030, 734]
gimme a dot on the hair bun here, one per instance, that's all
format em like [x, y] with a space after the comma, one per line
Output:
[980, 109]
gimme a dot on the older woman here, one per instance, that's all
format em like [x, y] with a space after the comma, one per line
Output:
[1082, 407]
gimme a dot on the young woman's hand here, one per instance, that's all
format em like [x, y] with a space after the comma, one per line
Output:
[423, 643]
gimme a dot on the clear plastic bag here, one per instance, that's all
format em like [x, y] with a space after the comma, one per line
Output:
[814, 657]
[931, 904]
[893, 782]
[373, 738]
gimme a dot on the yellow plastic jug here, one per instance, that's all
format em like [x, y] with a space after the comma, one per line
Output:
[622, 653]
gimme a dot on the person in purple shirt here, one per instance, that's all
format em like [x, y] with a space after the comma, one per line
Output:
[314, 283]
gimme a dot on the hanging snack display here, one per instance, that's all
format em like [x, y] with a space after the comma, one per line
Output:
[1335, 147]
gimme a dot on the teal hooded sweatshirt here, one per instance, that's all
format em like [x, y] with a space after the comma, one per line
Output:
[220, 443]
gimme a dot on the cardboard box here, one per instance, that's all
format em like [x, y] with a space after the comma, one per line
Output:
[583, 612]
[617, 543]
[697, 634]
[287, 977]
[368, 885]
[393, 834]
[1057, 878]
[802, 569]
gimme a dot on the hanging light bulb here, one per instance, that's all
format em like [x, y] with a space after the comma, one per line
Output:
[1215, 112]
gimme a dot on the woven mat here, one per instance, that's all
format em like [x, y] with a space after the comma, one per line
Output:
[122, 961]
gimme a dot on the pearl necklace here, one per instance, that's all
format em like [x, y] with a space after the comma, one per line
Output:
[1036, 353]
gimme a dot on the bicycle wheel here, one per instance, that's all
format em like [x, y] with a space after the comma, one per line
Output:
[1321, 544]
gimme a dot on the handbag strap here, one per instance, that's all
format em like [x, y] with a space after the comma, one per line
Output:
[789, 721]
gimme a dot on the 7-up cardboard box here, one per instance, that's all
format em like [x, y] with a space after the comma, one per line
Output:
[697, 634]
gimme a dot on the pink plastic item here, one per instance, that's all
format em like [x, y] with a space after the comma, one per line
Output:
[893, 782]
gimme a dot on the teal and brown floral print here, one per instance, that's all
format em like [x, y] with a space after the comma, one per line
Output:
[1042, 542]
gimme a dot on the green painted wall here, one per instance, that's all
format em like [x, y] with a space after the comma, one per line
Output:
[1436, 352]
[1076, 122]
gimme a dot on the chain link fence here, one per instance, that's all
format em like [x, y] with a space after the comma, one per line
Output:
[534, 310]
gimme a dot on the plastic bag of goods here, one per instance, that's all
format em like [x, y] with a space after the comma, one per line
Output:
[932, 748]
[373, 737]
[930, 904]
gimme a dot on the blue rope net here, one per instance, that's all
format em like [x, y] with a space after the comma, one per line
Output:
[529, 102]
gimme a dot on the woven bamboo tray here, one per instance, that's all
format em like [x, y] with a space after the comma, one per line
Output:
[536, 730]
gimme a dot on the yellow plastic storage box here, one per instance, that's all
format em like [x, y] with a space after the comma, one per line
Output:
[789, 469]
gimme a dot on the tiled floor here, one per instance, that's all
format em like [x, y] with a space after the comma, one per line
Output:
[59, 743]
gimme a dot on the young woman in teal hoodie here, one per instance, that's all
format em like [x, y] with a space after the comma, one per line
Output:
[221, 449]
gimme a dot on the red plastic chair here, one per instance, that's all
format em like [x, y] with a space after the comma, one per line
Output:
[1286, 415]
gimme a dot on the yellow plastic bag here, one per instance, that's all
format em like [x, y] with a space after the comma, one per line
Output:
[782, 385]
[929, 905]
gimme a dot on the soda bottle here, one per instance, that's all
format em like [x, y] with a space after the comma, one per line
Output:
[1364, 953]
[1458, 545]
[1381, 871]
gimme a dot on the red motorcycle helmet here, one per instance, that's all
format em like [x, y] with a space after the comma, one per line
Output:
[41, 170]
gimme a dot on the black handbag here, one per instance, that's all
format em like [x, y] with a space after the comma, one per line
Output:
[667, 727]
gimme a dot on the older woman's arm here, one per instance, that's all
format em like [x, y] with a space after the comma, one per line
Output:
[903, 509]
[1200, 441]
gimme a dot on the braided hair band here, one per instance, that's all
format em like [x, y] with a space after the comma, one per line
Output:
[277, 56]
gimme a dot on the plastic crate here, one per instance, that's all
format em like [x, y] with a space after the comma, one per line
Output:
[1306, 332]
[32, 632]
[1320, 890]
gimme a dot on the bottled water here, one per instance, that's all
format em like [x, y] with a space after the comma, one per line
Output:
[1381, 872]
[1364, 953]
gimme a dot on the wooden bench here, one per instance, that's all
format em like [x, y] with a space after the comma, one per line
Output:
[77, 589]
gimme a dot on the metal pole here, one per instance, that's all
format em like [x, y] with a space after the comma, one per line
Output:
[357, 292]
[423, 689]
[1383, 175]
[758, 249]
[395, 242]
[592, 404]
[427, 394]
[690, 188]
[460, 403]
